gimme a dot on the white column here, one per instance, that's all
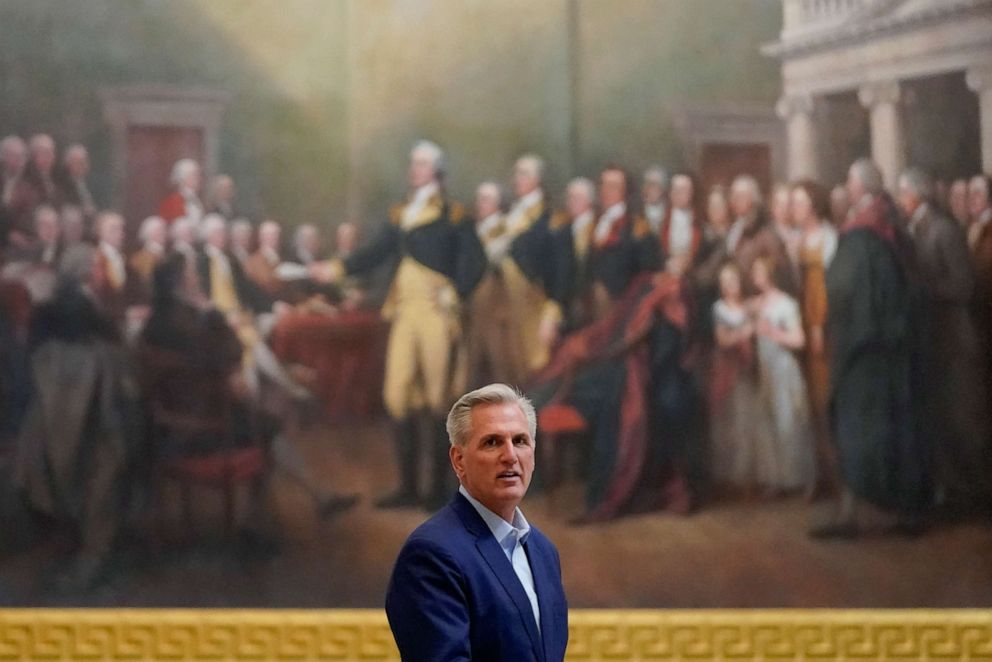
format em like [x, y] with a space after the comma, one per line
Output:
[979, 81]
[797, 111]
[888, 147]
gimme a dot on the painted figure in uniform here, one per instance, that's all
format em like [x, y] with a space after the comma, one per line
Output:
[440, 262]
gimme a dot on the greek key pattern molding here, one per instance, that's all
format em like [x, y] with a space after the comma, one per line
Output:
[616, 635]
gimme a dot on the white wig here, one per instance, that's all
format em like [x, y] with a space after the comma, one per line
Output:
[181, 170]
[586, 185]
[750, 185]
[148, 226]
[434, 152]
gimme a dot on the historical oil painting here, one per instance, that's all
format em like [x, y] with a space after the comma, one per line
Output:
[737, 253]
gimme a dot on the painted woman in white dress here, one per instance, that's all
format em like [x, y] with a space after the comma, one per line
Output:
[739, 428]
[779, 331]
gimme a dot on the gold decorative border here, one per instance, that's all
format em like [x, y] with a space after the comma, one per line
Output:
[195, 634]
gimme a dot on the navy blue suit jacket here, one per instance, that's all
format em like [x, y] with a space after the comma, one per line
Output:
[454, 595]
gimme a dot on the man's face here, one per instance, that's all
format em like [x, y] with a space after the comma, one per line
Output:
[47, 226]
[346, 237]
[612, 188]
[157, 233]
[218, 237]
[855, 189]
[717, 212]
[682, 192]
[241, 236]
[112, 232]
[73, 225]
[908, 199]
[310, 240]
[269, 236]
[224, 189]
[497, 461]
[43, 155]
[839, 203]
[780, 208]
[741, 201]
[652, 189]
[14, 158]
[486, 202]
[577, 200]
[525, 178]
[193, 179]
[421, 171]
[78, 164]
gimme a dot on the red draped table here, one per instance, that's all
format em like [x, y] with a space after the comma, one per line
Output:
[347, 351]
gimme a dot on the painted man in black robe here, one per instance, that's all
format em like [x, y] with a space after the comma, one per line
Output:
[875, 413]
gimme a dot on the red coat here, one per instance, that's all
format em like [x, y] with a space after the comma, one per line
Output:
[172, 207]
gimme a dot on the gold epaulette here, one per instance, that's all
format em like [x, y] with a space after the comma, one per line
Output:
[456, 212]
[559, 220]
[396, 213]
[641, 227]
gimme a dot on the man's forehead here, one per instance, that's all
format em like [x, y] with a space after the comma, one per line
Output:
[500, 418]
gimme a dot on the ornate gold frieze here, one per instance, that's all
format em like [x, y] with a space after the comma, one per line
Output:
[193, 634]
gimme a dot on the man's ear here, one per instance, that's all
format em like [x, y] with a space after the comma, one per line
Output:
[457, 455]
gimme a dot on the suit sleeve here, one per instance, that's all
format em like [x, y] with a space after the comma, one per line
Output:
[382, 247]
[427, 605]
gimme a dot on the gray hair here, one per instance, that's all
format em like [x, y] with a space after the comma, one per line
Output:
[268, 226]
[866, 172]
[181, 169]
[659, 173]
[533, 161]
[433, 150]
[306, 228]
[459, 423]
[586, 185]
[490, 185]
[749, 184]
[75, 150]
[240, 225]
[918, 182]
[148, 226]
[12, 142]
[42, 140]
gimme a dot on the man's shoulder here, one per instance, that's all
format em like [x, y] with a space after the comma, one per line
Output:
[443, 530]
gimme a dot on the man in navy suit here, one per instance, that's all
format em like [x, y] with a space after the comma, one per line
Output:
[476, 581]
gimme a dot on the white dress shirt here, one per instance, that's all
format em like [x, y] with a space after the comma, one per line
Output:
[511, 538]
[680, 232]
[655, 214]
[604, 226]
[417, 203]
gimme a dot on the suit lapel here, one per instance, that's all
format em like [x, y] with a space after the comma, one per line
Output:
[542, 572]
[490, 550]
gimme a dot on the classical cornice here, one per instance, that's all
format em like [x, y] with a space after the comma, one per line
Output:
[866, 27]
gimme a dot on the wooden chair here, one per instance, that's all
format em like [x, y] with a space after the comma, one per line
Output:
[186, 406]
[557, 422]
